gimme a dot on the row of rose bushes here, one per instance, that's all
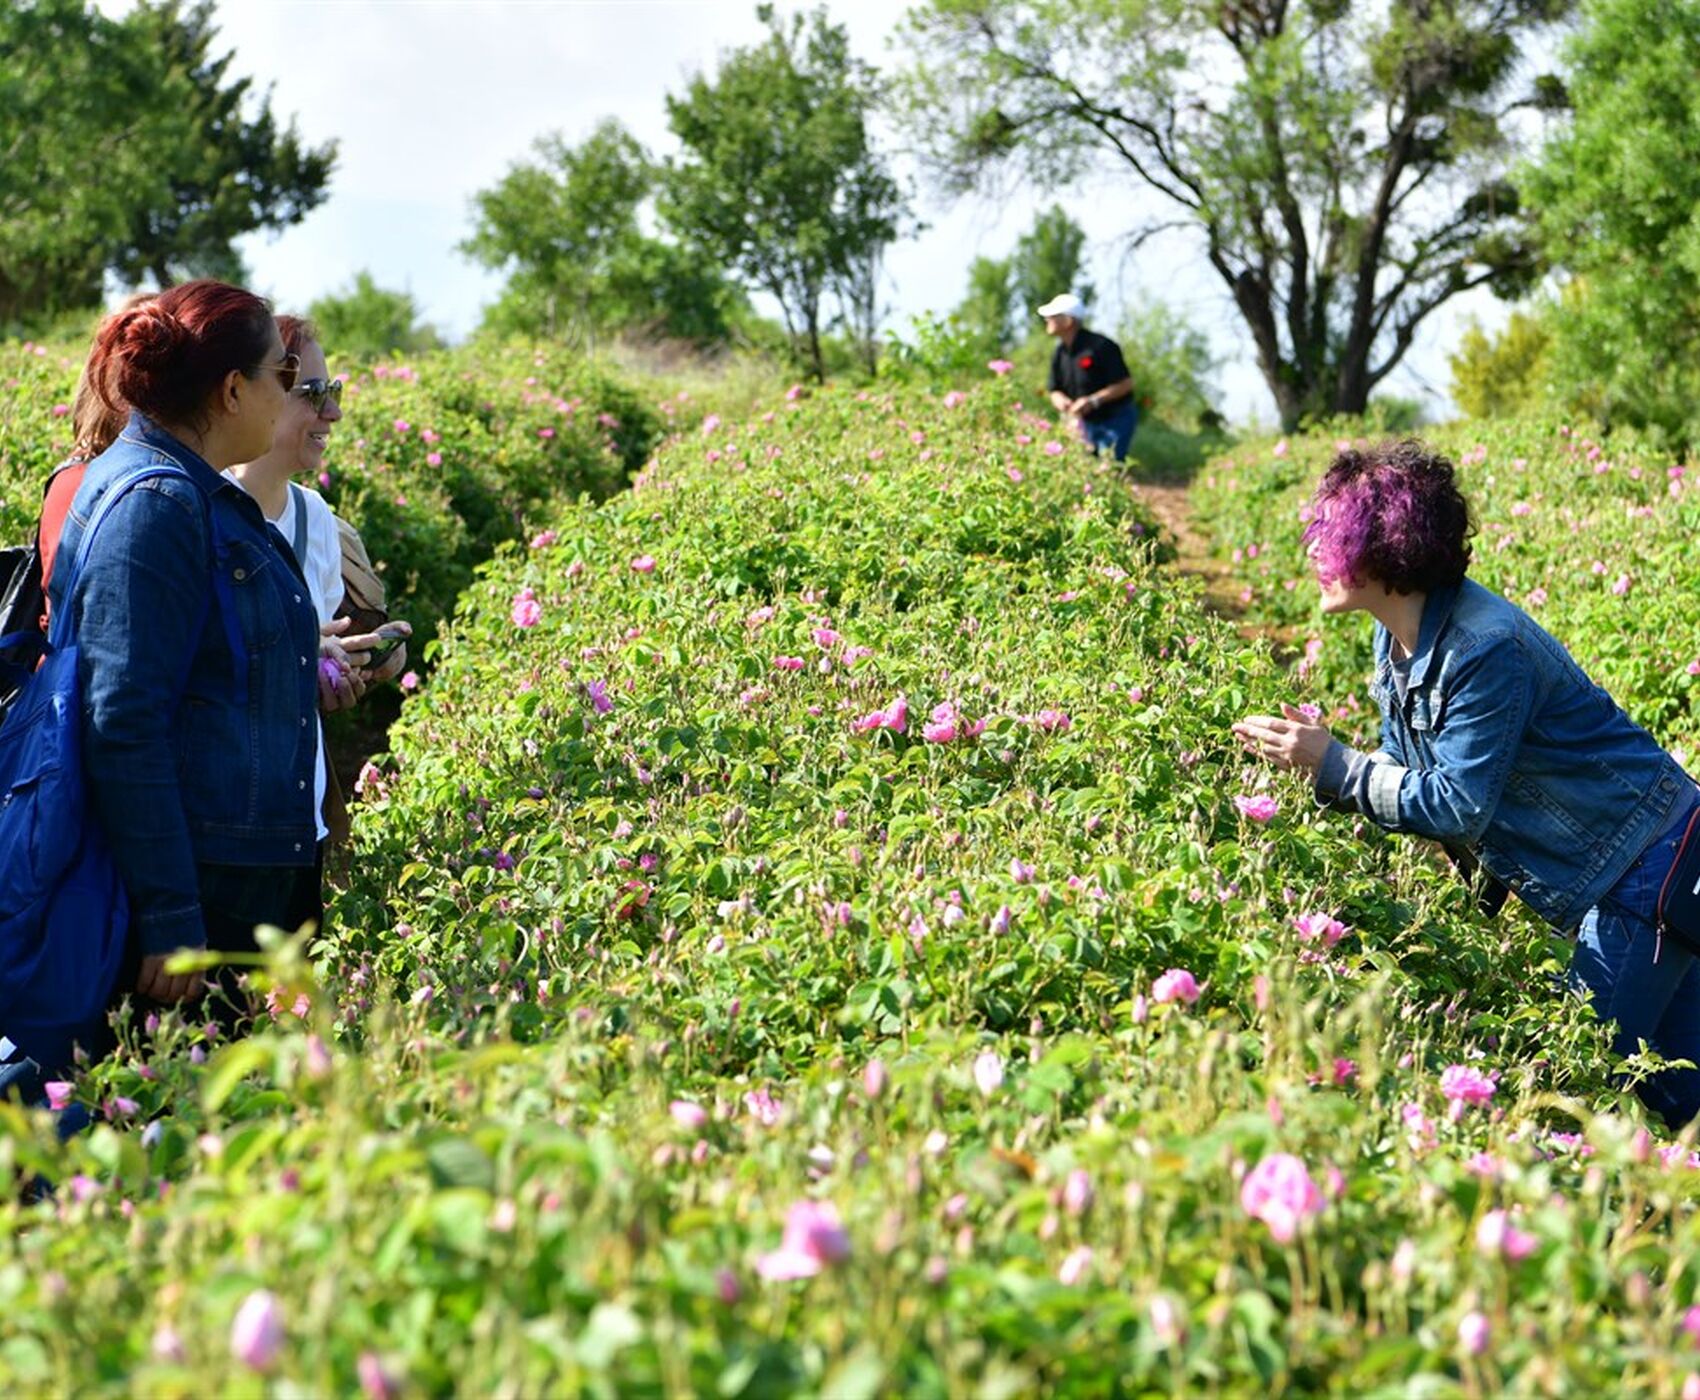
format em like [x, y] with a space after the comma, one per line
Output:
[1594, 537]
[437, 461]
[816, 933]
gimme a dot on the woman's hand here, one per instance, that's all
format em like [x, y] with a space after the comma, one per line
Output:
[1293, 740]
[392, 665]
[341, 682]
[155, 982]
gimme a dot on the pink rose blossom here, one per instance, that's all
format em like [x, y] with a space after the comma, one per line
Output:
[788, 663]
[813, 1239]
[686, 1114]
[1466, 1085]
[256, 1335]
[894, 717]
[1313, 926]
[1259, 807]
[527, 611]
[1177, 984]
[644, 564]
[1279, 1192]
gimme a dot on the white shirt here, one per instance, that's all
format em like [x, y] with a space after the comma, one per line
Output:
[323, 568]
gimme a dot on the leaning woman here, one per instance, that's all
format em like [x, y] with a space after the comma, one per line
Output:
[1495, 743]
[198, 641]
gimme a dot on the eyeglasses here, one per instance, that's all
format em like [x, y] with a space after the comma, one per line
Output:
[319, 392]
[286, 371]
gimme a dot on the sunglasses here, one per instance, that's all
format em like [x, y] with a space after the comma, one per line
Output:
[319, 392]
[287, 370]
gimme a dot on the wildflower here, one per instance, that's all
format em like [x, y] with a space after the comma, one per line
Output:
[1474, 1333]
[1621, 587]
[1000, 367]
[59, 1093]
[375, 1382]
[813, 1238]
[1053, 721]
[1177, 984]
[941, 728]
[874, 1079]
[688, 1115]
[1281, 448]
[644, 564]
[1053, 448]
[894, 717]
[1314, 926]
[1075, 1265]
[1259, 807]
[527, 611]
[256, 1336]
[954, 397]
[988, 1072]
[1168, 1326]
[1497, 1236]
[763, 1107]
[1279, 1192]
[851, 655]
[1002, 920]
[1077, 1192]
[167, 1345]
[1466, 1085]
[545, 433]
[409, 680]
[788, 663]
[597, 693]
[825, 637]
[709, 424]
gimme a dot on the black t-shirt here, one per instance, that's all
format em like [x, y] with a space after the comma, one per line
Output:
[1092, 363]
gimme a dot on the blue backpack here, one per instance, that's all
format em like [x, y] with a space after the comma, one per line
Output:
[64, 914]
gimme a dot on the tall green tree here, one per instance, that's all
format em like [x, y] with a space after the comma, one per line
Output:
[1049, 259]
[368, 321]
[1344, 164]
[567, 229]
[1619, 200]
[127, 148]
[778, 176]
[985, 315]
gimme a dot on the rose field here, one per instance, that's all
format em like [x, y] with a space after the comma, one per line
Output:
[814, 932]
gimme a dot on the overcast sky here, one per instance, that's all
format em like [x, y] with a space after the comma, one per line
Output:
[432, 100]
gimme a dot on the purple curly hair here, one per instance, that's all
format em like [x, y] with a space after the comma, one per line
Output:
[1393, 514]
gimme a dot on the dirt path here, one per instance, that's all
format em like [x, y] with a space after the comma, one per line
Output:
[1170, 502]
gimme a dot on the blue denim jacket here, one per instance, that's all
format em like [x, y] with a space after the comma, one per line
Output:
[190, 756]
[1505, 747]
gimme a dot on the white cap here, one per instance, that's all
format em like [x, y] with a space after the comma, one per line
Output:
[1068, 304]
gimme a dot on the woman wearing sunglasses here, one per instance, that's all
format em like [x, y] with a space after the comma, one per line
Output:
[307, 524]
[197, 641]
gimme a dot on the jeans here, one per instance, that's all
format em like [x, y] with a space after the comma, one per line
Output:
[1114, 432]
[1650, 986]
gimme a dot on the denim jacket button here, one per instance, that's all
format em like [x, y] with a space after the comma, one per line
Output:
[239, 575]
[301, 784]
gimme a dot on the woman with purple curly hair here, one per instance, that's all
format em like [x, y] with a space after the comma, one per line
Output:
[1496, 744]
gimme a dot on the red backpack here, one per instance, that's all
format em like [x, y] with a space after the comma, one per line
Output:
[25, 573]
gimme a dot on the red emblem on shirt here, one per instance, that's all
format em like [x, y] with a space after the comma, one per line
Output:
[1086, 362]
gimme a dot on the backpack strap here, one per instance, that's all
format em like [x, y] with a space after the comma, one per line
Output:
[298, 534]
[221, 585]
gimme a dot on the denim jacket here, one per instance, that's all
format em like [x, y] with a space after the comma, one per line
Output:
[1503, 746]
[191, 755]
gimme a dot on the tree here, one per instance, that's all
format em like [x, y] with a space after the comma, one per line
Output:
[567, 229]
[984, 316]
[1619, 198]
[1499, 375]
[779, 178]
[126, 148]
[1049, 259]
[367, 322]
[1343, 165]
[1171, 363]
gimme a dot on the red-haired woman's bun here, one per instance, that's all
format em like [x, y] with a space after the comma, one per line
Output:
[167, 356]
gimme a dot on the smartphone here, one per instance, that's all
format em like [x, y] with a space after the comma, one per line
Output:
[382, 648]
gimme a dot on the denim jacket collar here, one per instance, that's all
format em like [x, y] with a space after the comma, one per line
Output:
[143, 431]
[1437, 612]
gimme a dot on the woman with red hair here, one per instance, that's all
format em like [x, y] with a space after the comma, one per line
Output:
[198, 643]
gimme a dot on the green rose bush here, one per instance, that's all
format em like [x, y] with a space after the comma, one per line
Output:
[815, 933]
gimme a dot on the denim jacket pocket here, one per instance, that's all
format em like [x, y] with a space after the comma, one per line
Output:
[250, 568]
